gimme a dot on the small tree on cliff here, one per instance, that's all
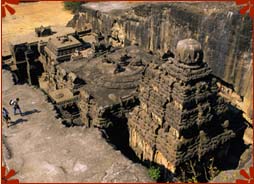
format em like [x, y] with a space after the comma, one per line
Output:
[154, 173]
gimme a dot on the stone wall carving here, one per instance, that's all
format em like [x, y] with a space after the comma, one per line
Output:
[180, 116]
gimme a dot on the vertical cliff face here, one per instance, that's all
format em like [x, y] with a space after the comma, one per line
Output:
[223, 33]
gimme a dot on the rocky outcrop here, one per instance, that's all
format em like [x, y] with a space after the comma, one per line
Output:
[224, 34]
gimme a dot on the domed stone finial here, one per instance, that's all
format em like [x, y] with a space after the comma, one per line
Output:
[189, 51]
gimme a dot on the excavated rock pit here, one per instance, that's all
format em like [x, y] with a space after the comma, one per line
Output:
[40, 149]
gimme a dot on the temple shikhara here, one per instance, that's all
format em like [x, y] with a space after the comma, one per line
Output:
[160, 89]
[180, 116]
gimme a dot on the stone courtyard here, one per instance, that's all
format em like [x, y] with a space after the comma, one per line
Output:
[40, 149]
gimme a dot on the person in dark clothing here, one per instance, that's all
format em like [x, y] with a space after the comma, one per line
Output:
[16, 107]
[6, 116]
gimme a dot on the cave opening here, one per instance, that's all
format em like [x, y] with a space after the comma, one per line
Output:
[21, 76]
[36, 69]
[117, 135]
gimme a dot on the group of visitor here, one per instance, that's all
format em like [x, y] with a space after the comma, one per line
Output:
[16, 108]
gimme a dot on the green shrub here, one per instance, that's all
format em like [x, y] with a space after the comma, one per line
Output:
[154, 173]
[73, 6]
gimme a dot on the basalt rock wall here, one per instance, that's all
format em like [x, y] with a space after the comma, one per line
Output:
[225, 35]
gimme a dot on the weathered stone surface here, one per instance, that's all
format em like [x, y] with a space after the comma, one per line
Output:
[223, 33]
[182, 119]
[101, 87]
[41, 149]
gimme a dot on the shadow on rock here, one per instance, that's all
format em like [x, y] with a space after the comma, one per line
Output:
[30, 112]
[21, 120]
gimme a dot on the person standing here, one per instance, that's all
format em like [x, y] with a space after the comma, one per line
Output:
[6, 116]
[16, 107]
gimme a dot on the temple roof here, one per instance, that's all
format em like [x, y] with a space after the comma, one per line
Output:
[64, 42]
[112, 75]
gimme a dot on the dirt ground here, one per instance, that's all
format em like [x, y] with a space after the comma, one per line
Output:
[31, 15]
[40, 149]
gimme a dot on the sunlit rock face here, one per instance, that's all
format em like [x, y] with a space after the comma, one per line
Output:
[224, 34]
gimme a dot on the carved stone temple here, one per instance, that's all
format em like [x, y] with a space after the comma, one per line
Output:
[180, 116]
[169, 108]
[168, 85]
